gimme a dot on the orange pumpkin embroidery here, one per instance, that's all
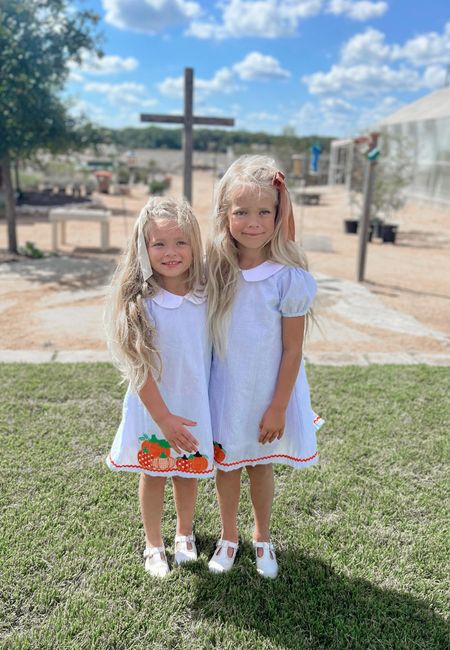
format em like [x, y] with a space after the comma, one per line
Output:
[219, 454]
[183, 463]
[164, 462]
[145, 459]
[199, 463]
[154, 446]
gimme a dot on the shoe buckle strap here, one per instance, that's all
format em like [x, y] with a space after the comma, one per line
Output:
[150, 551]
[224, 543]
[264, 545]
[185, 539]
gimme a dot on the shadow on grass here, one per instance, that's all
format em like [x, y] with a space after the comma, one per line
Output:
[310, 605]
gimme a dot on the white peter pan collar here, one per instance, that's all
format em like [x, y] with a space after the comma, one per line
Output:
[171, 301]
[262, 271]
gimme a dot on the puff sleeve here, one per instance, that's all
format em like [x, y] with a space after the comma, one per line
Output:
[297, 292]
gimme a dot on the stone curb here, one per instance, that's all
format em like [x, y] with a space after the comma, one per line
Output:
[313, 358]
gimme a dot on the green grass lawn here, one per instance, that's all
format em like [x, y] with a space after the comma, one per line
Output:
[363, 537]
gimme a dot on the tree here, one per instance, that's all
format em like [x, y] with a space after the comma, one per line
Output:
[38, 40]
[394, 172]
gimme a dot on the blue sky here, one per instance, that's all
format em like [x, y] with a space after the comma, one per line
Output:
[326, 67]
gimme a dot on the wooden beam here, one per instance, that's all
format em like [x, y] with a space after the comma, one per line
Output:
[179, 119]
[172, 119]
[225, 121]
[188, 141]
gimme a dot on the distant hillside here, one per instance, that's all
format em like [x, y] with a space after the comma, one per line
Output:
[154, 137]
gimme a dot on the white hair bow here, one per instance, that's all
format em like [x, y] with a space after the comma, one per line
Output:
[144, 259]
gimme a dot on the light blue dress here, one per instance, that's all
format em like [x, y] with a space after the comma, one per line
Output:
[242, 384]
[182, 342]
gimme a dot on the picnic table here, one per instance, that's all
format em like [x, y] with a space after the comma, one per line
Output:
[63, 215]
[307, 198]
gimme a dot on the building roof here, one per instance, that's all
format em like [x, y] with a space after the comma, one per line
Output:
[434, 106]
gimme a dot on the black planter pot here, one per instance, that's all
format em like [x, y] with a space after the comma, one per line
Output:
[351, 226]
[389, 233]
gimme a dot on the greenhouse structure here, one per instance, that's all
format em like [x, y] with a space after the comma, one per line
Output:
[423, 128]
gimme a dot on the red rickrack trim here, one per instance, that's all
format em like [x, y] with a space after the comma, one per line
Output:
[211, 471]
[254, 460]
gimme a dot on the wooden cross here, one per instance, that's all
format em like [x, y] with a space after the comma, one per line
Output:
[188, 120]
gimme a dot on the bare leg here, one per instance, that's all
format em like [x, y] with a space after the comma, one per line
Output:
[261, 492]
[151, 499]
[228, 486]
[185, 495]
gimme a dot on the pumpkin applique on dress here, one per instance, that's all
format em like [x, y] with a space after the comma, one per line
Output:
[154, 454]
[164, 463]
[199, 463]
[183, 463]
[219, 453]
[194, 463]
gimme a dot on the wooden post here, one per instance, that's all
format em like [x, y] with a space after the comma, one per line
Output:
[188, 143]
[365, 219]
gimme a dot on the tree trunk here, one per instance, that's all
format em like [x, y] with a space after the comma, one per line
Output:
[10, 204]
[16, 174]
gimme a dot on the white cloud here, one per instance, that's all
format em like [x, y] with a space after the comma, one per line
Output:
[107, 65]
[149, 16]
[263, 117]
[340, 118]
[336, 105]
[92, 111]
[216, 111]
[221, 82]
[362, 80]
[255, 66]
[359, 10]
[434, 76]
[172, 87]
[121, 117]
[262, 18]
[131, 94]
[75, 76]
[366, 66]
[310, 120]
[260, 66]
[367, 47]
[426, 49]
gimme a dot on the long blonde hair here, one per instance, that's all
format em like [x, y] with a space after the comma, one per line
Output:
[131, 335]
[222, 252]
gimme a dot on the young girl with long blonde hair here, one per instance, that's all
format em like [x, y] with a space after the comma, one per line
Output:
[158, 339]
[259, 294]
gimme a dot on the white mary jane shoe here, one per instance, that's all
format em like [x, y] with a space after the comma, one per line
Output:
[182, 552]
[267, 565]
[220, 562]
[155, 565]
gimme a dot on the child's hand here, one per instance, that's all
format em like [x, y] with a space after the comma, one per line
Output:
[272, 424]
[176, 433]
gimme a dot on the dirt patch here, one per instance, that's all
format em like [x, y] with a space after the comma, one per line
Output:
[60, 306]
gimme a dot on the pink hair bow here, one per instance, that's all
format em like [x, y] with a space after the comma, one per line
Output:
[285, 212]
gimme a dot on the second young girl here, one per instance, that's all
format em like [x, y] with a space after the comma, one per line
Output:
[158, 337]
[259, 294]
